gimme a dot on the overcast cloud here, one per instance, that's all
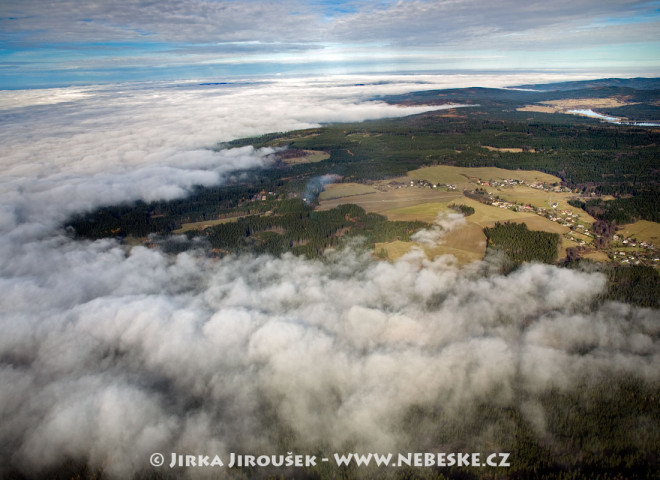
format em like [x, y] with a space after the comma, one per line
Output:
[109, 354]
[72, 41]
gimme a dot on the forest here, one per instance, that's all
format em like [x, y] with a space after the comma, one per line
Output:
[643, 206]
[294, 226]
[521, 244]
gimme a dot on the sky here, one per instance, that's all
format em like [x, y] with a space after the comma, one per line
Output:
[70, 42]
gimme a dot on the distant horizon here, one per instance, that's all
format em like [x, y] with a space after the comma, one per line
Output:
[70, 43]
[568, 76]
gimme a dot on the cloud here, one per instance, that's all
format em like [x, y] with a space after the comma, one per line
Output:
[168, 21]
[404, 22]
[70, 150]
[68, 42]
[108, 354]
[476, 23]
[184, 353]
[444, 223]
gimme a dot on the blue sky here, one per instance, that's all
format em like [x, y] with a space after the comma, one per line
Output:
[68, 42]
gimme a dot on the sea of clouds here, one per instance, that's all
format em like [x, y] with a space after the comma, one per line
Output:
[108, 354]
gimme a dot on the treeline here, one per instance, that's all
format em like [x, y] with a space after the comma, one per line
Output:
[644, 206]
[634, 284]
[466, 210]
[295, 227]
[584, 154]
[521, 244]
[637, 285]
[204, 203]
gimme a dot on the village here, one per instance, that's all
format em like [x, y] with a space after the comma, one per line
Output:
[622, 250]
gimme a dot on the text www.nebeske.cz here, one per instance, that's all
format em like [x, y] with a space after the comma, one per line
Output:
[426, 459]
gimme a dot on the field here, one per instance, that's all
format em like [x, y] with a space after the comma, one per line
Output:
[309, 156]
[467, 244]
[186, 227]
[542, 199]
[507, 150]
[643, 230]
[562, 106]
[597, 256]
[463, 176]
[426, 212]
[341, 190]
[393, 198]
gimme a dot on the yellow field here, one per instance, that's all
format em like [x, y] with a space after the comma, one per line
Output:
[507, 150]
[597, 255]
[340, 190]
[425, 212]
[310, 156]
[571, 103]
[537, 108]
[464, 175]
[205, 224]
[562, 106]
[288, 139]
[540, 198]
[380, 202]
[467, 244]
[395, 249]
[440, 174]
[643, 231]
[487, 215]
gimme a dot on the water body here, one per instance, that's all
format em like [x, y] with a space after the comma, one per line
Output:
[592, 114]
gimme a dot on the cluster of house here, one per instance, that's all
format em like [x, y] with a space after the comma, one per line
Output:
[263, 196]
[420, 184]
[546, 187]
[638, 257]
[510, 182]
[645, 253]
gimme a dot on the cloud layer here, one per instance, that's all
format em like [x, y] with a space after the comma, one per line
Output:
[416, 22]
[109, 354]
[67, 42]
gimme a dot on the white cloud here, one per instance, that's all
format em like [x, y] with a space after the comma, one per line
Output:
[108, 355]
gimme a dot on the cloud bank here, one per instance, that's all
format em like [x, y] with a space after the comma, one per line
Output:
[109, 354]
[71, 42]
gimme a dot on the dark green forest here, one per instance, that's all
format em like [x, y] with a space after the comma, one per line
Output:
[296, 227]
[521, 244]
[629, 209]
